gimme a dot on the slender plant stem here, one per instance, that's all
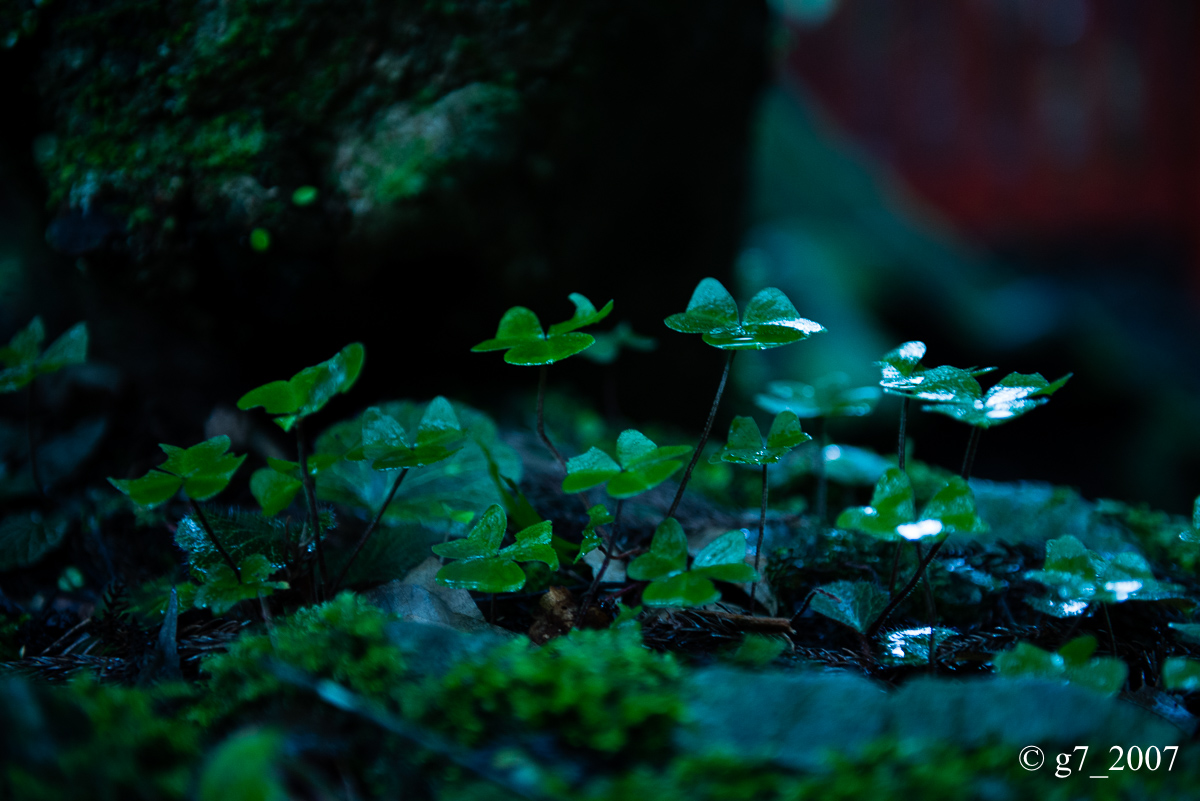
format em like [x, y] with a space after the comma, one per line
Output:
[930, 607]
[712, 415]
[367, 534]
[1112, 637]
[608, 552]
[899, 597]
[902, 446]
[541, 417]
[762, 525]
[310, 494]
[969, 456]
[33, 461]
[822, 477]
[212, 536]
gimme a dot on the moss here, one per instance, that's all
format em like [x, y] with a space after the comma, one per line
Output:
[600, 690]
[344, 640]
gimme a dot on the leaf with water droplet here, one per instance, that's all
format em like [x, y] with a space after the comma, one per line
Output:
[1013, 396]
[309, 390]
[520, 334]
[770, 321]
[483, 540]
[667, 556]
[642, 465]
[222, 589]
[854, 603]
[892, 505]
[745, 443]
[911, 646]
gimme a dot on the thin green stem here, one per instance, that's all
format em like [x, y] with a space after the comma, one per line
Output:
[899, 597]
[33, 461]
[366, 535]
[310, 494]
[969, 456]
[608, 552]
[712, 415]
[541, 417]
[902, 446]
[1112, 637]
[212, 537]
[762, 525]
[931, 608]
[822, 477]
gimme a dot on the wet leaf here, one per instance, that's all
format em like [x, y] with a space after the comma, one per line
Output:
[683, 590]
[589, 470]
[520, 334]
[483, 540]
[308, 391]
[386, 446]
[1071, 664]
[892, 505]
[533, 545]
[1077, 576]
[1014, 395]
[667, 556]
[598, 516]
[900, 364]
[221, 588]
[771, 320]
[634, 482]
[829, 396]
[25, 537]
[954, 506]
[642, 465]
[745, 443]
[786, 431]
[1181, 673]
[911, 646]
[492, 574]
[853, 603]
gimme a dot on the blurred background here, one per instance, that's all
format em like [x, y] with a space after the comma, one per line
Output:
[1013, 182]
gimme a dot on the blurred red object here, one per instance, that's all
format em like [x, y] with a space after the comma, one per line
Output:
[1022, 119]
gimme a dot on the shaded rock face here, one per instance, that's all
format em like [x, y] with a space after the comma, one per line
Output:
[465, 157]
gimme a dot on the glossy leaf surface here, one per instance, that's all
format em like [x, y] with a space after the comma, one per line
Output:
[150, 490]
[589, 470]
[911, 646]
[598, 515]
[954, 506]
[309, 390]
[1013, 396]
[533, 545]
[683, 590]
[1077, 576]
[491, 574]
[521, 336]
[483, 540]
[829, 396]
[853, 603]
[667, 556]
[640, 465]
[745, 443]
[770, 321]
[221, 588]
[585, 314]
[386, 446]
[892, 505]
[898, 366]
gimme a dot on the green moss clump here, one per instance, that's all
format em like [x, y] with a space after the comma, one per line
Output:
[344, 640]
[601, 690]
[130, 751]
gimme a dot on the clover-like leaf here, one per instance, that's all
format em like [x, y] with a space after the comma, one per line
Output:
[1077, 576]
[202, 471]
[520, 334]
[1013, 396]
[900, 366]
[533, 545]
[642, 465]
[1071, 664]
[273, 490]
[1181, 673]
[954, 507]
[222, 589]
[609, 343]
[684, 590]
[483, 540]
[385, 444]
[745, 443]
[829, 396]
[152, 489]
[892, 505]
[308, 391]
[770, 321]
[852, 603]
[667, 555]
[585, 314]
[598, 515]
[724, 559]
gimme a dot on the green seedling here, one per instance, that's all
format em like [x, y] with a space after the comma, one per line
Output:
[598, 515]
[201, 471]
[672, 583]
[290, 402]
[770, 322]
[892, 517]
[857, 604]
[386, 446]
[482, 565]
[1073, 663]
[524, 343]
[745, 446]
[222, 588]
[829, 396]
[641, 465]
[24, 361]
[902, 374]
[958, 395]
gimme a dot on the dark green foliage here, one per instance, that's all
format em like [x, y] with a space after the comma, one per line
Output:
[245, 768]
[745, 443]
[960, 396]
[25, 537]
[600, 690]
[672, 583]
[201, 471]
[1181, 673]
[344, 640]
[222, 588]
[384, 443]
[308, 391]
[828, 396]
[24, 360]
[486, 567]
[1073, 663]
[770, 320]
[640, 465]
[854, 603]
[276, 485]
[521, 336]
[892, 513]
